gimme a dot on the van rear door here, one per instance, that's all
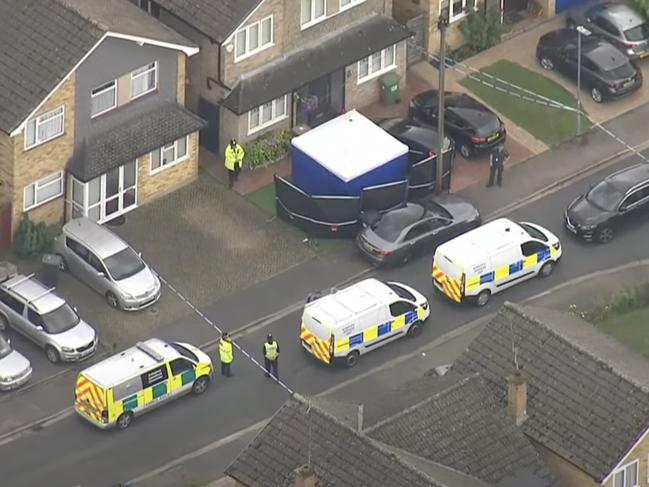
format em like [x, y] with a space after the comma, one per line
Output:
[447, 276]
[316, 336]
[90, 399]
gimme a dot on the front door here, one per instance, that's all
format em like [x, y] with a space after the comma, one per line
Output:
[320, 100]
[119, 187]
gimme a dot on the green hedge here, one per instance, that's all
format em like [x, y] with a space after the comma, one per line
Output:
[268, 149]
[33, 239]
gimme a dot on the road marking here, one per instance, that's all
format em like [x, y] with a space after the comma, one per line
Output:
[35, 426]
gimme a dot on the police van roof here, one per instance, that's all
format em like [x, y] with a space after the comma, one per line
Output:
[475, 245]
[130, 362]
[341, 306]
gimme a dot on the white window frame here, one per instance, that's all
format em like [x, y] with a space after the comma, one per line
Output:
[313, 20]
[383, 69]
[622, 470]
[43, 119]
[262, 47]
[273, 119]
[146, 72]
[105, 90]
[350, 4]
[176, 160]
[461, 15]
[37, 187]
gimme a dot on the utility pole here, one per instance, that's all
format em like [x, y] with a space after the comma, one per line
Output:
[578, 81]
[442, 23]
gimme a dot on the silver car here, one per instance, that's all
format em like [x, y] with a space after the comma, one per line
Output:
[36, 312]
[618, 23]
[15, 369]
[107, 264]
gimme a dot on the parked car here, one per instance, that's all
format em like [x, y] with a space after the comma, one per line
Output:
[618, 23]
[418, 227]
[473, 127]
[46, 319]
[621, 197]
[421, 139]
[107, 264]
[15, 369]
[605, 71]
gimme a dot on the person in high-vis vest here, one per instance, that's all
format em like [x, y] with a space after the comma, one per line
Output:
[233, 160]
[271, 355]
[226, 354]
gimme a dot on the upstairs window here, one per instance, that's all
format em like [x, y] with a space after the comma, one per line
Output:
[313, 11]
[144, 80]
[627, 475]
[44, 127]
[103, 98]
[253, 38]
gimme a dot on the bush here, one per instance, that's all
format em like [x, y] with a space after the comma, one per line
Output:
[482, 30]
[643, 7]
[268, 149]
[623, 302]
[33, 239]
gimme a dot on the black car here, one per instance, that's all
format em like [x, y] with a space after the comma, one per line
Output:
[416, 228]
[599, 214]
[472, 126]
[605, 71]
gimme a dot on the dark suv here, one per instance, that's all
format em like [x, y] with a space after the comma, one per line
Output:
[599, 214]
[605, 71]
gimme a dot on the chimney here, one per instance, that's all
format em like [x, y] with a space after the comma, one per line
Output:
[305, 477]
[360, 418]
[517, 397]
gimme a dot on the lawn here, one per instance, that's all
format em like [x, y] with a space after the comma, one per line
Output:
[632, 329]
[550, 125]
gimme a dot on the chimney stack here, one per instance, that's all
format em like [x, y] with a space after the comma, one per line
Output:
[517, 397]
[305, 477]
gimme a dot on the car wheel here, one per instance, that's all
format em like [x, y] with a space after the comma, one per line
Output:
[125, 420]
[52, 355]
[414, 330]
[546, 63]
[63, 266]
[596, 95]
[483, 298]
[465, 151]
[4, 323]
[112, 300]
[605, 235]
[200, 385]
[352, 359]
[546, 269]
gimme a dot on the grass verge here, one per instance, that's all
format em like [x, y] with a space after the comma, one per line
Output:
[630, 329]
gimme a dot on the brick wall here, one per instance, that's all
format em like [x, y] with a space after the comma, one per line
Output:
[640, 453]
[182, 78]
[152, 186]
[566, 473]
[40, 161]
[6, 168]
[368, 92]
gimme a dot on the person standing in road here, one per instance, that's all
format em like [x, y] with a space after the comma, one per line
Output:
[233, 160]
[226, 354]
[497, 160]
[271, 355]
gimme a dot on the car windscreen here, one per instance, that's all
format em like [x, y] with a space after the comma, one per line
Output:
[637, 33]
[401, 292]
[390, 226]
[605, 196]
[124, 264]
[59, 320]
[185, 352]
[5, 349]
[435, 209]
[533, 232]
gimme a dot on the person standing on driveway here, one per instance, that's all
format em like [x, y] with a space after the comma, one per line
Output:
[271, 355]
[497, 160]
[233, 160]
[226, 354]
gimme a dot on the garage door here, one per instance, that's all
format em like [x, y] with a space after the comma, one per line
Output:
[562, 5]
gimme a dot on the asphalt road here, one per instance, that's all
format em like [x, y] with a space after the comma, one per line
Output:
[72, 453]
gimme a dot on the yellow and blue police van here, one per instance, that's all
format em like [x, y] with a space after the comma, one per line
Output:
[493, 257]
[343, 325]
[112, 392]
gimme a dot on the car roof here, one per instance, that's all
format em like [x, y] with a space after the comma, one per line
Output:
[132, 361]
[100, 240]
[33, 292]
[605, 55]
[627, 178]
[621, 15]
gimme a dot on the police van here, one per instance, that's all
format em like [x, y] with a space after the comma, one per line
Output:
[493, 257]
[342, 326]
[114, 391]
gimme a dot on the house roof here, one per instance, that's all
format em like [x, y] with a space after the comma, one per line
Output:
[587, 394]
[341, 48]
[148, 129]
[339, 455]
[215, 18]
[463, 427]
[44, 40]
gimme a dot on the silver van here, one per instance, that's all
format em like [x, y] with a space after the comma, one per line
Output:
[107, 264]
[36, 312]
[15, 369]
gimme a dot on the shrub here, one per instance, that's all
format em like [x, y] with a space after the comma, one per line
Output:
[482, 30]
[623, 302]
[643, 7]
[268, 149]
[33, 239]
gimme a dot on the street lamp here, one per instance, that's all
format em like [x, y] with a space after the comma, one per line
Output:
[581, 30]
[442, 23]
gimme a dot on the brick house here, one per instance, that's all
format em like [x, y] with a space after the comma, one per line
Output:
[92, 117]
[586, 395]
[267, 65]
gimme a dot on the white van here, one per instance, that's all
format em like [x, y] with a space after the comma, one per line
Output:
[362, 317]
[493, 257]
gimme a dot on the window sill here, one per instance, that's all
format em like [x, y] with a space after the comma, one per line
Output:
[243, 57]
[457, 17]
[351, 5]
[144, 93]
[311, 23]
[163, 168]
[44, 202]
[266, 125]
[376, 75]
[38, 144]
[93, 116]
